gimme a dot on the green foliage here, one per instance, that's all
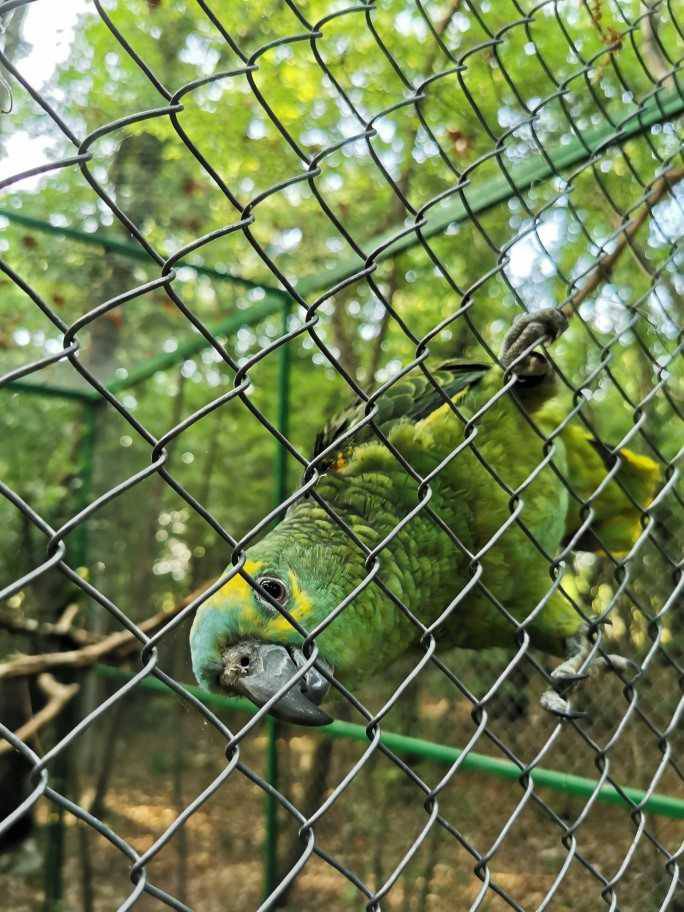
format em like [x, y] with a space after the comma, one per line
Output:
[527, 90]
[152, 176]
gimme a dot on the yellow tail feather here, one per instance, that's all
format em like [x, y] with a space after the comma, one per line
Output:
[618, 508]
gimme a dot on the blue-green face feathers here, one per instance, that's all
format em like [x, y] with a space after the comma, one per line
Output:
[240, 642]
[237, 611]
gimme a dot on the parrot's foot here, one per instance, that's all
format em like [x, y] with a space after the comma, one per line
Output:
[567, 675]
[528, 330]
[554, 703]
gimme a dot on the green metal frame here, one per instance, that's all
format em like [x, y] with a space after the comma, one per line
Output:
[663, 106]
[666, 106]
[537, 169]
[126, 249]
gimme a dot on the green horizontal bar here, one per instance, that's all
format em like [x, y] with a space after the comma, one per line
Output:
[536, 170]
[577, 786]
[87, 394]
[191, 346]
[197, 343]
[128, 250]
[495, 192]
[499, 190]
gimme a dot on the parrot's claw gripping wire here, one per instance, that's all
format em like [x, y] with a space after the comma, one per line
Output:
[618, 663]
[554, 703]
[553, 699]
[566, 676]
[528, 330]
[567, 680]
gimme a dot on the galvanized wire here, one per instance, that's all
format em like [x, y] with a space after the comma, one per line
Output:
[412, 228]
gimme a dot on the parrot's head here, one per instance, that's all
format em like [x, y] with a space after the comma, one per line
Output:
[240, 643]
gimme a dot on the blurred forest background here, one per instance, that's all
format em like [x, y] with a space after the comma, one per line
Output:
[147, 550]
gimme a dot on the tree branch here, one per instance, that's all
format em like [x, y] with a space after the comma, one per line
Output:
[340, 325]
[653, 51]
[62, 630]
[606, 263]
[58, 697]
[376, 351]
[114, 647]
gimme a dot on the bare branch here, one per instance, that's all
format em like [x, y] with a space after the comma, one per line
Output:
[661, 70]
[606, 263]
[58, 697]
[376, 351]
[340, 325]
[114, 647]
[62, 630]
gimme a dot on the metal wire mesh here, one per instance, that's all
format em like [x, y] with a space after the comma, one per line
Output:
[576, 134]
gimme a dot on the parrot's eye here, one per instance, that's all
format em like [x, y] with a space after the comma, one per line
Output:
[275, 588]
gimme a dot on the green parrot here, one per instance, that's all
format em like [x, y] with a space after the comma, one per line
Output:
[243, 639]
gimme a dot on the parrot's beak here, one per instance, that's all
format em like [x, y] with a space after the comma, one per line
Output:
[258, 670]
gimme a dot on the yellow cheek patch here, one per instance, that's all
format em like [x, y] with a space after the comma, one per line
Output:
[302, 602]
[237, 587]
[300, 608]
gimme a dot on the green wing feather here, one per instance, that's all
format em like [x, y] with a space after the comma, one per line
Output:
[410, 399]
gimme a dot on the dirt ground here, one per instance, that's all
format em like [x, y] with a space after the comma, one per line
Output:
[164, 756]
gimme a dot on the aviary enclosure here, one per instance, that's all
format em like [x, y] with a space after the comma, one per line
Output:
[221, 223]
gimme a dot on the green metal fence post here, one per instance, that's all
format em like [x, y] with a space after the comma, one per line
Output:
[79, 550]
[279, 492]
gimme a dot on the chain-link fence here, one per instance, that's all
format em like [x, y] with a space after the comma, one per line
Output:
[238, 218]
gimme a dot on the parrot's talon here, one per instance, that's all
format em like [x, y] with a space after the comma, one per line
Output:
[558, 706]
[562, 681]
[574, 715]
[566, 675]
[531, 329]
[616, 662]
